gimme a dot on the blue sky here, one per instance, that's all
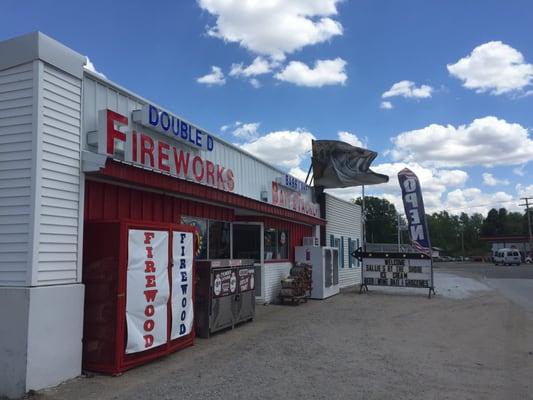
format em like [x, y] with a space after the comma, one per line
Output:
[323, 67]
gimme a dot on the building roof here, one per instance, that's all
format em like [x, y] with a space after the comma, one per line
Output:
[504, 238]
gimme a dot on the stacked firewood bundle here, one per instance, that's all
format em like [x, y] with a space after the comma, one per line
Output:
[298, 283]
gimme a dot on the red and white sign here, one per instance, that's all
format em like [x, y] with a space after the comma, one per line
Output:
[147, 290]
[161, 155]
[293, 200]
[182, 284]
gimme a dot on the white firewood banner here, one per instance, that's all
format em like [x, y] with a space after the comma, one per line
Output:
[147, 290]
[182, 284]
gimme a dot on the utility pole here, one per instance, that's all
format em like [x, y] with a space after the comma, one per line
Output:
[526, 204]
[463, 242]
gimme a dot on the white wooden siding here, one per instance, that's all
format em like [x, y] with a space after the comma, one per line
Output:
[16, 123]
[273, 275]
[251, 175]
[60, 178]
[344, 220]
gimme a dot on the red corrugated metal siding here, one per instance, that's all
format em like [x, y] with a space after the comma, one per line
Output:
[109, 201]
[137, 176]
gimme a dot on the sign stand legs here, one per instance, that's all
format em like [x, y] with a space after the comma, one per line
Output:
[431, 290]
[363, 285]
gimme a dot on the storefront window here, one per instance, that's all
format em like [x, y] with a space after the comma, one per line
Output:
[247, 241]
[270, 244]
[276, 244]
[283, 245]
[201, 234]
[219, 239]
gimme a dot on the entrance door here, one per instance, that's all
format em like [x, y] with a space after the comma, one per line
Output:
[247, 242]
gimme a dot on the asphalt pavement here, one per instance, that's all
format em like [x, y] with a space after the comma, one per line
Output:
[513, 282]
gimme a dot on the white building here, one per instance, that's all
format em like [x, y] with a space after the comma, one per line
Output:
[77, 148]
[343, 230]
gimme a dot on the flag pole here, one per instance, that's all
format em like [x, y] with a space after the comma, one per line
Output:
[308, 173]
[363, 218]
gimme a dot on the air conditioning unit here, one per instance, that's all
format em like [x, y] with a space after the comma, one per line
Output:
[310, 241]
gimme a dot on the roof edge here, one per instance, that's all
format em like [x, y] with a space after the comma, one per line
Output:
[38, 46]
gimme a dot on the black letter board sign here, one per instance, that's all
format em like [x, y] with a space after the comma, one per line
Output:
[413, 270]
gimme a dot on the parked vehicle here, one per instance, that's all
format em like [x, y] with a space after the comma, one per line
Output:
[507, 257]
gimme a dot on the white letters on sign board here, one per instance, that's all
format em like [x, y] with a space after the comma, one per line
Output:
[147, 289]
[182, 306]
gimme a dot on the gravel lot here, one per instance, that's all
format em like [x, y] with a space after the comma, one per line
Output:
[380, 345]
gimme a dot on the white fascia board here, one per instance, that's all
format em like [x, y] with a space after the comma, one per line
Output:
[38, 46]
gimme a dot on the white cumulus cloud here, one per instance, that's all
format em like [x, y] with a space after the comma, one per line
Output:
[442, 189]
[351, 139]
[490, 180]
[299, 173]
[520, 170]
[486, 141]
[258, 66]
[408, 90]
[524, 190]
[324, 72]
[90, 66]
[386, 105]
[215, 77]
[474, 200]
[283, 148]
[255, 83]
[493, 67]
[273, 27]
[246, 131]
[435, 184]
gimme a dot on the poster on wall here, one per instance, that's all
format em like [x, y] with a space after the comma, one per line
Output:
[147, 290]
[246, 279]
[224, 282]
[182, 284]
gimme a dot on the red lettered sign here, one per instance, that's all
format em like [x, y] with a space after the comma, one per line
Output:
[147, 290]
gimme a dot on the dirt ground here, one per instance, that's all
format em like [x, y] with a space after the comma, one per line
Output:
[379, 345]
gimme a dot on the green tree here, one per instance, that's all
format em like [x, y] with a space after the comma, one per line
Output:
[502, 221]
[514, 224]
[490, 225]
[444, 230]
[381, 220]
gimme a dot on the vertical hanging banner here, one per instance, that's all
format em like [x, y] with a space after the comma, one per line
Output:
[147, 290]
[182, 284]
[414, 211]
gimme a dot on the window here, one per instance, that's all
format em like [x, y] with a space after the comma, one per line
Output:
[339, 244]
[276, 243]
[219, 239]
[213, 237]
[247, 241]
[341, 253]
[351, 248]
[357, 245]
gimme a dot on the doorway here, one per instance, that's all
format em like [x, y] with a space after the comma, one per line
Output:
[247, 239]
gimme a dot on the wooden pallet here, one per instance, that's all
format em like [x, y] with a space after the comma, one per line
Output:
[295, 300]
